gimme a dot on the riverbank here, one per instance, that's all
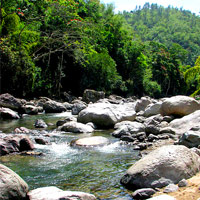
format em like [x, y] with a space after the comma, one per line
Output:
[190, 192]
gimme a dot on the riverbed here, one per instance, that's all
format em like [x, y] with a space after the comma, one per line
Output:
[94, 170]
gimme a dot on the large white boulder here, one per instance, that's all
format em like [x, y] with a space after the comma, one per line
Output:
[12, 186]
[165, 165]
[179, 105]
[185, 123]
[106, 115]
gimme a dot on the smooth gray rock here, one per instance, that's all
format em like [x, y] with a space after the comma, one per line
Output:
[105, 115]
[179, 105]
[190, 139]
[91, 141]
[7, 113]
[165, 165]
[127, 128]
[12, 186]
[77, 107]
[142, 103]
[51, 106]
[170, 188]
[152, 109]
[53, 193]
[9, 101]
[143, 193]
[67, 119]
[185, 123]
[76, 127]
[183, 183]
[39, 123]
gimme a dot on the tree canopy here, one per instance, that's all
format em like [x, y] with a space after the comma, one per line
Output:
[48, 47]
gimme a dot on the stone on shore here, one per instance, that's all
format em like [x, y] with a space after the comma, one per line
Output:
[185, 123]
[179, 105]
[165, 165]
[106, 115]
[54, 193]
[9, 101]
[12, 186]
[143, 193]
[190, 139]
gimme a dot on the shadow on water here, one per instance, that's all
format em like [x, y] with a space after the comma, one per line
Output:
[94, 170]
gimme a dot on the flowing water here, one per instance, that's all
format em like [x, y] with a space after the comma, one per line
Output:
[94, 170]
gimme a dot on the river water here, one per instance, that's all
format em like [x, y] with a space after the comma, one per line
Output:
[94, 170]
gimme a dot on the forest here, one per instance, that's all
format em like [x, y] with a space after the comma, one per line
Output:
[48, 47]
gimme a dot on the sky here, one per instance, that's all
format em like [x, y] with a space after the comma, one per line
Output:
[128, 5]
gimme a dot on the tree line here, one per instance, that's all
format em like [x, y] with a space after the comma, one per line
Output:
[48, 47]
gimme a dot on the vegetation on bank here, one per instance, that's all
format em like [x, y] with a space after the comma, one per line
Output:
[51, 46]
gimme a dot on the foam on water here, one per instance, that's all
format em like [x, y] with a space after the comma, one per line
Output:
[63, 114]
[57, 149]
[111, 148]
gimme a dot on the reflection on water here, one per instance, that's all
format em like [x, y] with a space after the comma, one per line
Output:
[94, 170]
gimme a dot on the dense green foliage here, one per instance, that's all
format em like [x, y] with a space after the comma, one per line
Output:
[51, 46]
[167, 26]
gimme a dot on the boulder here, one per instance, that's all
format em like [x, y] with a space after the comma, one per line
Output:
[51, 106]
[142, 103]
[77, 107]
[92, 96]
[12, 186]
[67, 119]
[105, 115]
[143, 193]
[182, 183]
[171, 188]
[165, 165]
[76, 127]
[68, 106]
[53, 193]
[91, 141]
[39, 123]
[179, 105]
[190, 139]
[8, 101]
[152, 109]
[30, 109]
[128, 128]
[185, 123]
[7, 113]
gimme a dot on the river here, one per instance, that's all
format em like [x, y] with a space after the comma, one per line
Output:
[94, 170]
